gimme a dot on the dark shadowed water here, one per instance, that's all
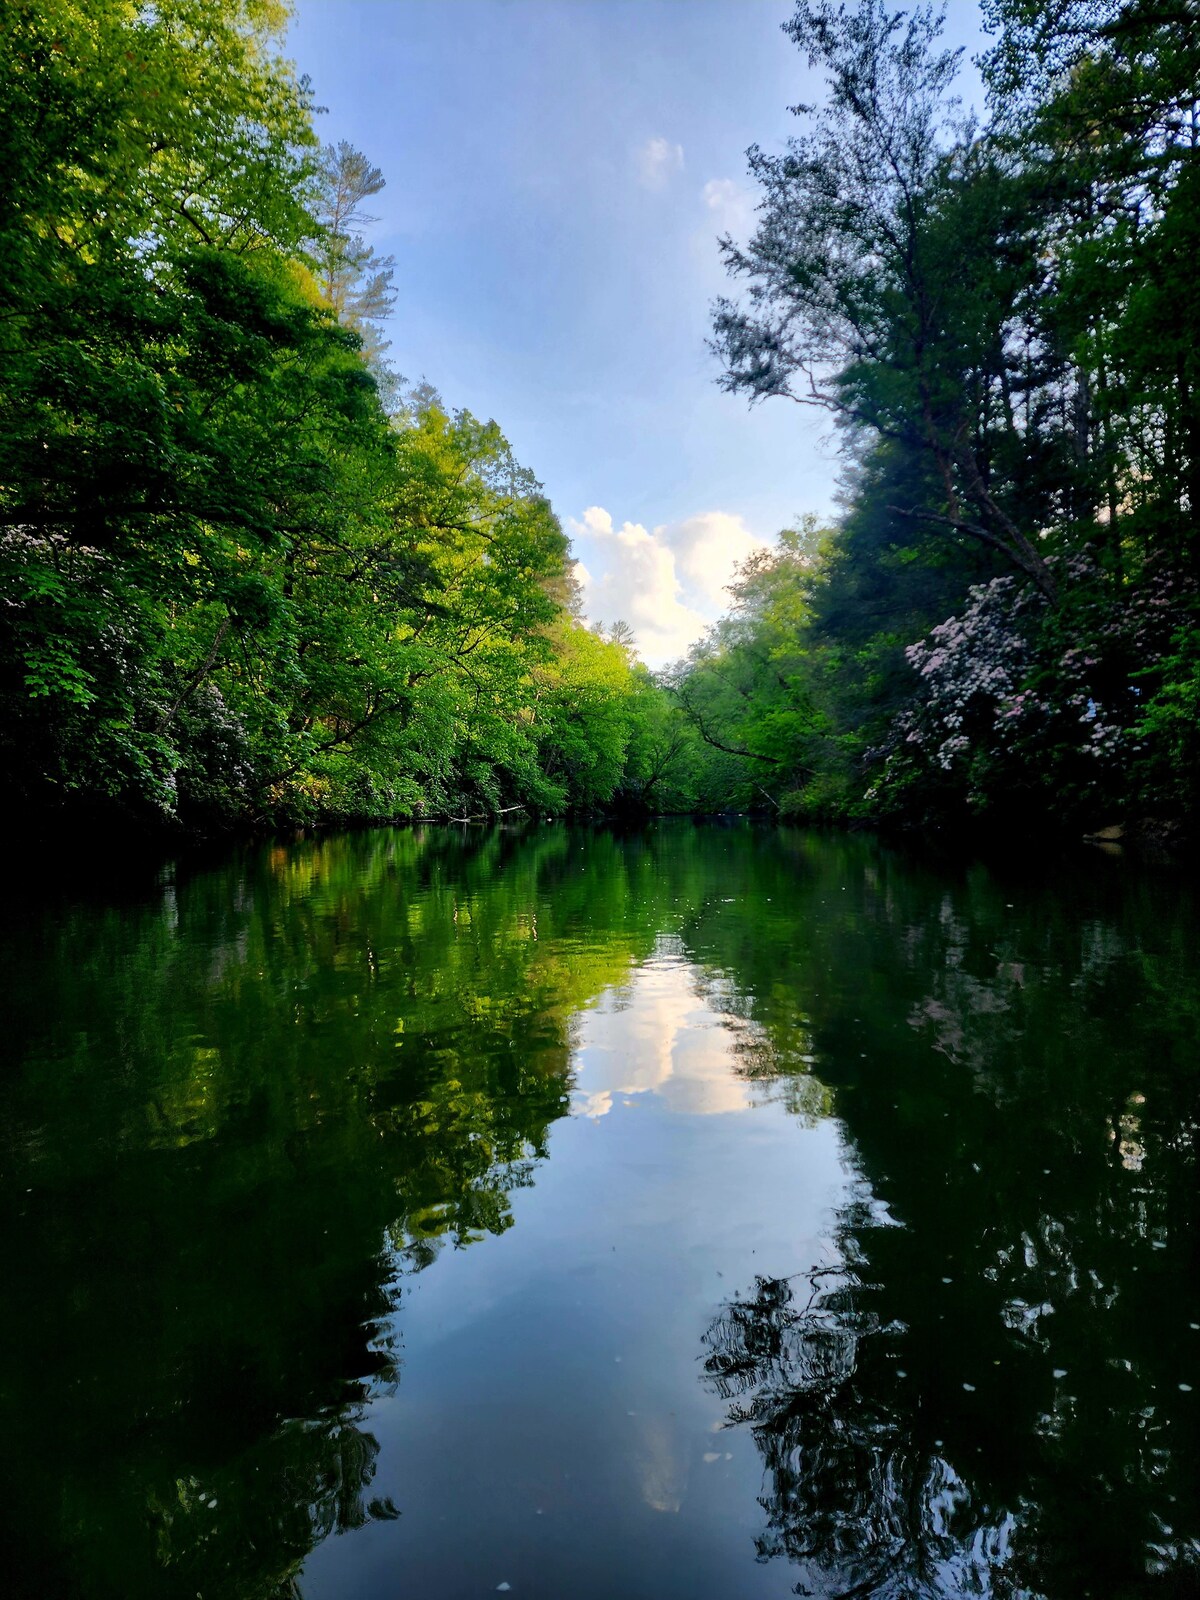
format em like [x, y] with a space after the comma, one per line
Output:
[697, 1214]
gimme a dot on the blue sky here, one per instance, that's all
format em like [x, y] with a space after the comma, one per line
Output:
[557, 174]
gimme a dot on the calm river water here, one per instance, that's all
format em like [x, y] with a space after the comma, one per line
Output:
[702, 1213]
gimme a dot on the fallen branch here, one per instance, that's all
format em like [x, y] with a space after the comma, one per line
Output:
[486, 816]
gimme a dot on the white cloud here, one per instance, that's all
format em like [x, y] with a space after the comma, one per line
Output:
[731, 205]
[658, 161]
[635, 581]
[707, 549]
[659, 1036]
[668, 584]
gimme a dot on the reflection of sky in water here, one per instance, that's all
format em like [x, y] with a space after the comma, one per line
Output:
[660, 1352]
[550, 1379]
[658, 1035]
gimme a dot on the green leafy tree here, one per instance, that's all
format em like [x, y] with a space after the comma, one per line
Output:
[1002, 323]
[243, 577]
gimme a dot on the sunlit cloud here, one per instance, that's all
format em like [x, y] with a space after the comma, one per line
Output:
[707, 549]
[658, 161]
[668, 583]
[635, 580]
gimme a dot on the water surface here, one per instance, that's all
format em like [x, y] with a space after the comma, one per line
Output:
[701, 1212]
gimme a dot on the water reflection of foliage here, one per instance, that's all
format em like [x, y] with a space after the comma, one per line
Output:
[778, 1062]
[310, 1479]
[250, 1103]
[851, 1498]
[1011, 1057]
[318, 1066]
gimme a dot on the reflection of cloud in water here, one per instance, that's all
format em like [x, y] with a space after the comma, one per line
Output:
[658, 1035]
[662, 1463]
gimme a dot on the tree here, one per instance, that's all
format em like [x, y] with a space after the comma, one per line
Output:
[857, 303]
[242, 576]
[746, 688]
[151, 300]
[1004, 326]
[662, 759]
[354, 281]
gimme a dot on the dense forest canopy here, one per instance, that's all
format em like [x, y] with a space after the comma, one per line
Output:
[249, 575]
[246, 574]
[1004, 324]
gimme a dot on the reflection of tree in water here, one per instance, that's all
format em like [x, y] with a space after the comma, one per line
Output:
[239, 1113]
[309, 1480]
[1011, 1061]
[242, 1112]
[851, 1499]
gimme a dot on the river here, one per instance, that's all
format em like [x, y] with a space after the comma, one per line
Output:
[693, 1213]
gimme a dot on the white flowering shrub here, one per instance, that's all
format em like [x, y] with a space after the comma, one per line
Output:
[1017, 699]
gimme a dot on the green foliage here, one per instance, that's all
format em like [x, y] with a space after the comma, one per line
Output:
[1166, 736]
[244, 577]
[745, 686]
[1004, 324]
[355, 282]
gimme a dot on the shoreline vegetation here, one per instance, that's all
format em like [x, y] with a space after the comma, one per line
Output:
[251, 579]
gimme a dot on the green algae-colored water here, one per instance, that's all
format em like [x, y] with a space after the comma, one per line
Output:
[700, 1213]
